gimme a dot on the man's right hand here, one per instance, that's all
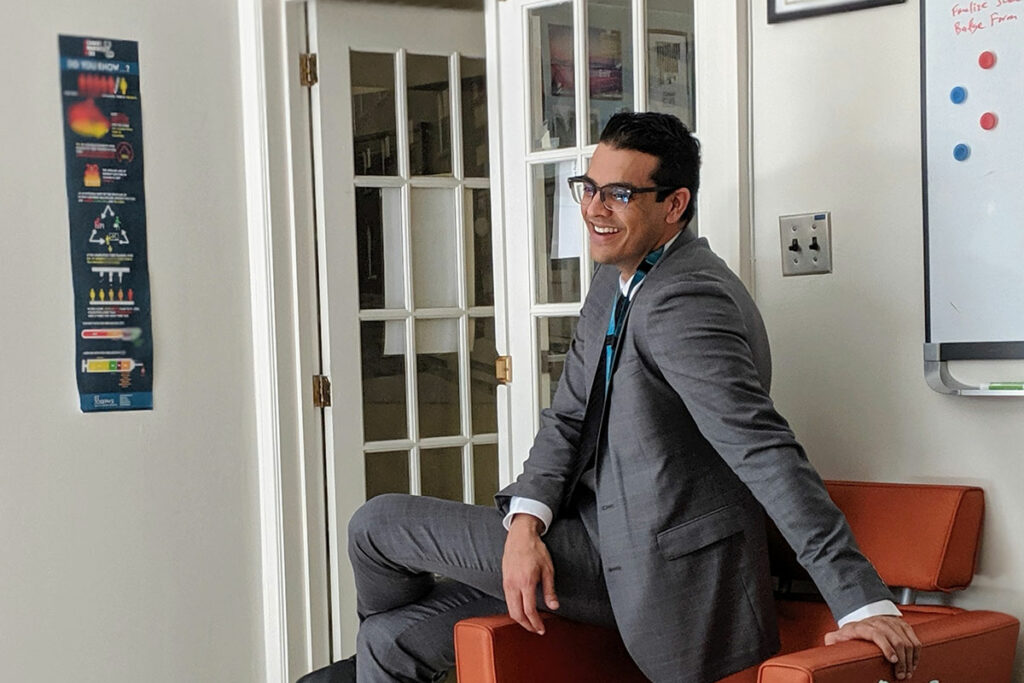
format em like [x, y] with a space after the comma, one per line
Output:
[526, 563]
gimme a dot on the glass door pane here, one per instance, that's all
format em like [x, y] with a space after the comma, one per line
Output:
[483, 385]
[441, 473]
[384, 389]
[437, 377]
[387, 472]
[558, 233]
[671, 77]
[485, 473]
[554, 335]
[609, 61]
[379, 247]
[479, 250]
[552, 77]
[374, 127]
[475, 152]
[429, 103]
[435, 271]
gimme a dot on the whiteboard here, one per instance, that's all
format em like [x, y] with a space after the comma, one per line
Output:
[973, 152]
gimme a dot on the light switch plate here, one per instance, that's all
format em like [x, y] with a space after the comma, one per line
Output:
[806, 241]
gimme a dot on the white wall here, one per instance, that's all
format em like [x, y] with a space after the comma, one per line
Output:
[837, 127]
[130, 541]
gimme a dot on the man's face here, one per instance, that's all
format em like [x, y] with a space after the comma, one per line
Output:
[623, 238]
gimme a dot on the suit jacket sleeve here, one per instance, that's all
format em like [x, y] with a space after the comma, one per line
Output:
[702, 336]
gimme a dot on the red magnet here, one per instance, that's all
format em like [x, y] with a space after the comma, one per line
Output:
[987, 59]
[989, 120]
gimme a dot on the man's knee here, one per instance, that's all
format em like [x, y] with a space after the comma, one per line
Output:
[395, 645]
[376, 513]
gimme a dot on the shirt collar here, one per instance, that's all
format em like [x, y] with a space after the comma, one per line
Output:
[625, 282]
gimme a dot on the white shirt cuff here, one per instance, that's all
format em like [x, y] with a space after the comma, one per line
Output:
[873, 609]
[529, 506]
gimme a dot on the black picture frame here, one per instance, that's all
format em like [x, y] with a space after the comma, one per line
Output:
[817, 8]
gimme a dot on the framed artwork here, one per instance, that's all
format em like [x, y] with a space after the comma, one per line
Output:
[560, 54]
[670, 74]
[787, 10]
[605, 64]
[605, 67]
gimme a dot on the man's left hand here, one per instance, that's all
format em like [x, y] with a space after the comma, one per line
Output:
[894, 637]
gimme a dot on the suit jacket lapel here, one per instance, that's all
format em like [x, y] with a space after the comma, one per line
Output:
[603, 289]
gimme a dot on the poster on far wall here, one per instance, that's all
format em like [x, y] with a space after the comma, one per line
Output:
[99, 81]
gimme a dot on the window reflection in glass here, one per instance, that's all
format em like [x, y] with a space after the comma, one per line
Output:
[554, 336]
[437, 377]
[670, 64]
[374, 131]
[552, 77]
[379, 247]
[479, 255]
[485, 473]
[430, 123]
[387, 473]
[558, 232]
[475, 159]
[609, 61]
[483, 385]
[441, 473]
[383, 361]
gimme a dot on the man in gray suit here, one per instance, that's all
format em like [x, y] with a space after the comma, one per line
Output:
[642, 503]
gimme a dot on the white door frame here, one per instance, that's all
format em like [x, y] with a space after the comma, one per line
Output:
[278, 187]
[280, 365]
[279, 224]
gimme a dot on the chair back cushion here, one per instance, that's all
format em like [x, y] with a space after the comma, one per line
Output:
[919, 536]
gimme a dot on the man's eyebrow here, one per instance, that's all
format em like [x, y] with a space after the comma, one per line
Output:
[614, 183]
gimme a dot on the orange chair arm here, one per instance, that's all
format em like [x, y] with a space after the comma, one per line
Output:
[498, 650]
[969, 646]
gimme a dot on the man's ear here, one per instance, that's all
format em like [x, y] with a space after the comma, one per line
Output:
[676, 204]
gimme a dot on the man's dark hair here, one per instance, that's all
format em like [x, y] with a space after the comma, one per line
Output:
[663, 136]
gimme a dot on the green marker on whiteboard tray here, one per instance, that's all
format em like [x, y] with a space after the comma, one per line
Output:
[1004, 386]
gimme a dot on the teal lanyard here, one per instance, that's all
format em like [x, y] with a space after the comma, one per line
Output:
[619, 307]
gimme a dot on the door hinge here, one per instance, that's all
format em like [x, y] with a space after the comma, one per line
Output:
[321, 391]
[503, 369]
[308, 74]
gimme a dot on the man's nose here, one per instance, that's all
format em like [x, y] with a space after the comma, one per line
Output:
[595, 208]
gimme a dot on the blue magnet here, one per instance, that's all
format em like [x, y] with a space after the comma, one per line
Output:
[961, 152]
[957, 95]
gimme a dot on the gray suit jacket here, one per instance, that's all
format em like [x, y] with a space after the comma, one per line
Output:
[691, 452]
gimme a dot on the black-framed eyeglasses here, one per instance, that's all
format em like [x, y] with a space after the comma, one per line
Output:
[614, 196]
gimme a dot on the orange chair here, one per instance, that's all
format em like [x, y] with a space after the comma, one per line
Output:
[919, 537]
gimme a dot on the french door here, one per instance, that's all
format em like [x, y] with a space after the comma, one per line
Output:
[408, 258]
[566, 66]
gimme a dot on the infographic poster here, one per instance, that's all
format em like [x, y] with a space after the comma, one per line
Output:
[107, 214]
